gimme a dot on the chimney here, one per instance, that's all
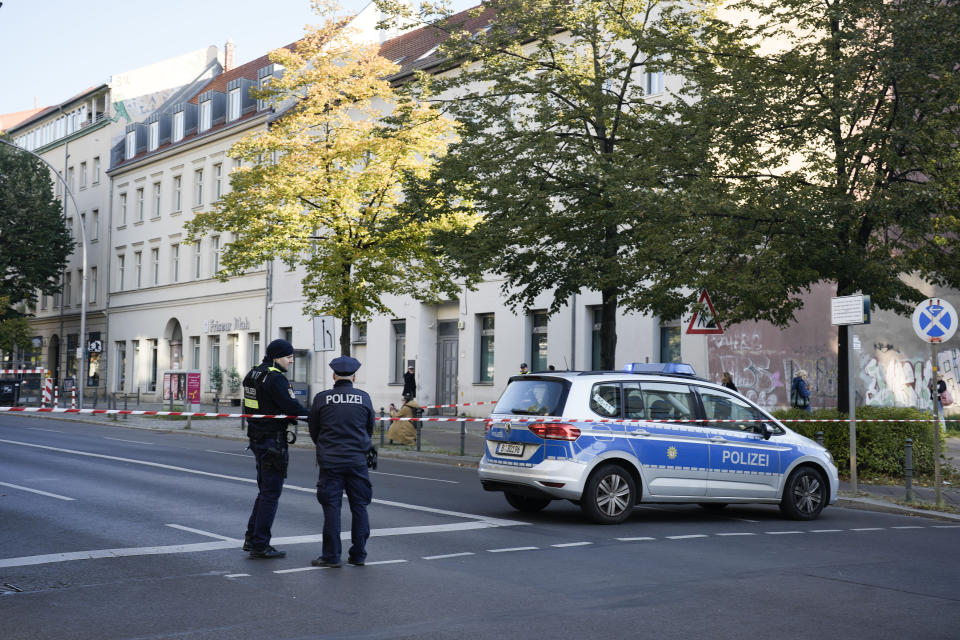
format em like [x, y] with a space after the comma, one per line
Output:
[228, 56]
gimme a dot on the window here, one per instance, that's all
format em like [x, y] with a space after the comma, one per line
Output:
[198, 187]
[93, 284]
[175, 262]
[96, 170]
[156, 199]
[217, 181]
[140, 204]
[43, 302]
[718, 405]
[154, 352]
[138, 266]
[215, 256]
[254, 349]
[72, 343]
[67, 289]
[134, 361]
[70, 179]
[70, 226]
[131, 145]
[538, 342]
[233, 104]
[206, 115]
[123, 209]
[153, 136]
[177, 191]
[83, 224]
[93, 361]
[670, 342]
[597, 313]
[121, 365]
[195, 350]
[196, 260]
[155, 265]
[177, 127]
[120, 263]
[654, 78]
[665, 401]
[399, 349]
[359, 332]
[95, 226]
[83, 175]
[486, 324]
[214, 354]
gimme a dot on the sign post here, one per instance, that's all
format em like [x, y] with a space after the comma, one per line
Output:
[850, 310]
[935, 321]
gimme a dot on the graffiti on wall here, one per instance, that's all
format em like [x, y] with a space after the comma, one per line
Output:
[892, 379]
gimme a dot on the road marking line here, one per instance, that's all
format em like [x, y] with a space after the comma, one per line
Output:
[37, 491]
[299, 569]
[735, 534]
[868, 529]
[826, 530]
[122, 440]
[42, 429]
[237, 575]
[512, 549]
[488, 521]
[571, 544]
[911, 526]
[641, 539]
[450, 555]
[781, 533]
[400, 475]
[945, 526]
[228, 453]
[695, 535]
[202, 532]
[385, 562]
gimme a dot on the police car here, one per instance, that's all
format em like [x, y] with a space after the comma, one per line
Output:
[654, 433]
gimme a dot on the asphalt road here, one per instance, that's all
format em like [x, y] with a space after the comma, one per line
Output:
[108, 532]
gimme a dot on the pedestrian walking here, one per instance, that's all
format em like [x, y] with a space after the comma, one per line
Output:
[404, 431]
[799, 391]
[409, 383]
[341, 425]
[726, 379]
[267, 391]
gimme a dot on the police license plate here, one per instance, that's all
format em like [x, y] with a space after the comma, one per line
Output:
[510, 449]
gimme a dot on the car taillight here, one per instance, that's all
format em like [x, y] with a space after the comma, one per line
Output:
[555, 431]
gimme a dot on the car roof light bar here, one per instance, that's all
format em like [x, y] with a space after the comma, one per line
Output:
[674, 368]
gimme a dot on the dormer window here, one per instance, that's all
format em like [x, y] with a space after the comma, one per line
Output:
[206, 114]
[178, 126]
[429, 53]
[233, 104]
[131, 148]
[153, 136]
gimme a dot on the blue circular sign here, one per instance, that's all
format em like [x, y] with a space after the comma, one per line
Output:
[935, 320]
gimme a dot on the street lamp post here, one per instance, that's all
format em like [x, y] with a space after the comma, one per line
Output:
[83, 266]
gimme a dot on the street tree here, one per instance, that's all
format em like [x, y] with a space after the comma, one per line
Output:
[34, 241]
[570, 150]
[319, 188]
[831, 127]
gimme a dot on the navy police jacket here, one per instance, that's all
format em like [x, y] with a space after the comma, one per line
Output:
[341, 424]
[267, 391]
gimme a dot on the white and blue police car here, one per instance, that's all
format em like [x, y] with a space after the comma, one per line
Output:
[610, 440]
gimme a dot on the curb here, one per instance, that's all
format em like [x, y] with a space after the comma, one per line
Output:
[884, 506]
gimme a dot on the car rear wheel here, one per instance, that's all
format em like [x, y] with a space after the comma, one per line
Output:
[805, 494]
[525, 503]
[609, 495]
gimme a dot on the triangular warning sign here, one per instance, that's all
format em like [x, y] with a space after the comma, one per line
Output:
[704, 322]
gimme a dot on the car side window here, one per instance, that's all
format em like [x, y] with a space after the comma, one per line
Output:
[633, 407]
[718, 405]
[605, 400]
[665, 401]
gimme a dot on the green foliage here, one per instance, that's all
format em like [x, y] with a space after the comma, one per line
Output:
[34, 241]
[216, 379]
[234, 380]
[880, 445]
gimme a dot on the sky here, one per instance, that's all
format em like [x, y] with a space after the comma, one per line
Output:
[51, 50]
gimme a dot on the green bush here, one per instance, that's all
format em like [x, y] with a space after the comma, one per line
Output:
[880, 445]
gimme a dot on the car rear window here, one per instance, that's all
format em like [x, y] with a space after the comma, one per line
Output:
[533, 397]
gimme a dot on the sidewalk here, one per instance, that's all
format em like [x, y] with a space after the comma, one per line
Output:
[441, 443]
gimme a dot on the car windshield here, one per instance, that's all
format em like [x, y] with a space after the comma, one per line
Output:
[532, 397]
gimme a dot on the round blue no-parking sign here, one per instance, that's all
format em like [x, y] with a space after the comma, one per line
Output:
[935, 320]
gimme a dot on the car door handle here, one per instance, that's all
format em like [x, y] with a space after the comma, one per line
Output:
[640, 432]
[718, 439]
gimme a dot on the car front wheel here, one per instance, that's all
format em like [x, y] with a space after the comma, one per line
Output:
[805, 494]
[609, 495]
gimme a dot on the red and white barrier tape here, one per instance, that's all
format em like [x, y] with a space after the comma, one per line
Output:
[9, 371]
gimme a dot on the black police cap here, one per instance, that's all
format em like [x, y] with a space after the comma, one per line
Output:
[344, 365]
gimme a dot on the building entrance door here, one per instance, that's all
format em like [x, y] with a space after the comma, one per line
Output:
[448, 347]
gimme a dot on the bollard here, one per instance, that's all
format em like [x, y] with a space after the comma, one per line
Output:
[419, 427]
[383, 428]
[463, 435]
[73, 398]
[216, 404]
[820, 438]
[908, 467]
[124, 405]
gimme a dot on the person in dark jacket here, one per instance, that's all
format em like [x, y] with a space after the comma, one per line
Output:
[266, 391]
[726, 379]
[799, 391]
[409, 384]
[341, 425]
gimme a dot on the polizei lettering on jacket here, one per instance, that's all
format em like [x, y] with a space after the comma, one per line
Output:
[749, 458]
[344, 398]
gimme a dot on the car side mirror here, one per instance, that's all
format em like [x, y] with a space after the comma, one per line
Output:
[766, 430]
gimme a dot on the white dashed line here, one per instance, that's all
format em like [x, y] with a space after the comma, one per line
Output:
[826, 530]
[641, 539]
[237, 575]
[41, 429]
[912, 526]
[945, 526]
[400, 475]
[385, 562]
[450, 555]
[868, 529]
[229, 453]
[735, 534]
[695, 535]
[299, 569]
[781, 533]
[36, 491]
[512, 549]
[203, 533]
[122, 440]
[571, 544]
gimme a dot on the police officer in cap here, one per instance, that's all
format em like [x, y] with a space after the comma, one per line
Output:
[341, 424]
[267, 391]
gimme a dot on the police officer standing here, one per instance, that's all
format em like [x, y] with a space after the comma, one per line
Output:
[267, 391]
[341, 424]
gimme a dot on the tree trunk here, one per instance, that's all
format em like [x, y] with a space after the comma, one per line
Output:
[608, 329]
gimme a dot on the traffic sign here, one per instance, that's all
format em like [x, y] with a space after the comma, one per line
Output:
[935, 320]
[324, 333]
[704, 321]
